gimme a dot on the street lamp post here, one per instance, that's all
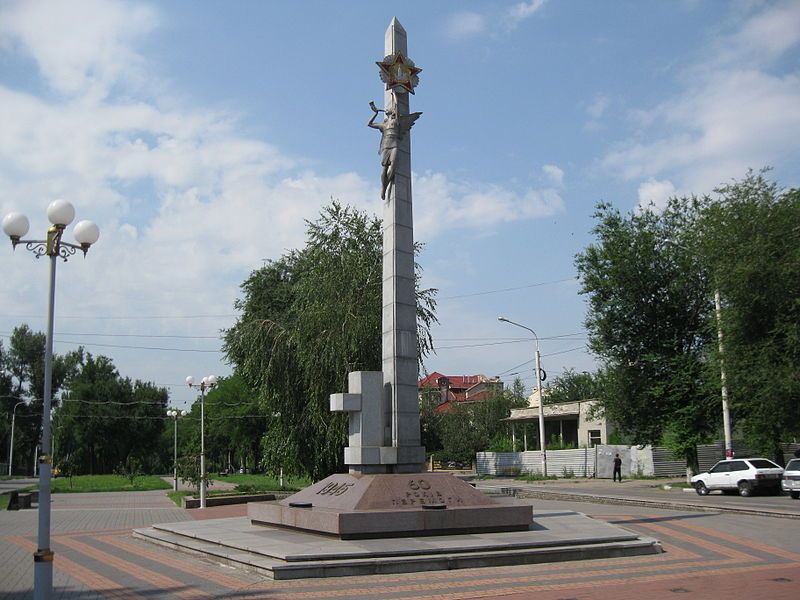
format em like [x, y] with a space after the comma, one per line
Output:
[174, 414]
[542, 444]
[16, 225]
[11, 447]
[206, 384]
[726, 415]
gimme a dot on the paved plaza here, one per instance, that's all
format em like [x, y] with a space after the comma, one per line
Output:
[714, 555]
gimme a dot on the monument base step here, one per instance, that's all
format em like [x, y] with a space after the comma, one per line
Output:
[289, 554]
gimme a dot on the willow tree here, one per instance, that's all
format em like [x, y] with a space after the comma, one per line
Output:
[307, 319]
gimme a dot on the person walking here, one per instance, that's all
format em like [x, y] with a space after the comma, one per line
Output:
[617, 468]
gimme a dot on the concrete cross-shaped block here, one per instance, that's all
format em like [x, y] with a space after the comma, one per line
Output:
[363, 402]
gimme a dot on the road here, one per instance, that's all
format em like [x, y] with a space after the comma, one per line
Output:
[711, 555]
[7, 485]
[648, 491]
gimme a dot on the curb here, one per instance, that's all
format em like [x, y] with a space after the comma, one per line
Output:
[619, 500]
[192, 502]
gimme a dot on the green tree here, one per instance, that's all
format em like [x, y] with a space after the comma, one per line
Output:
[307, 320]
[748, 235]
[429, 419]
[7, 399]
[572, 387]
[518, 392]
[105, 420]
[649, 324]
[22, 379]
[471, 427]
[234, 425]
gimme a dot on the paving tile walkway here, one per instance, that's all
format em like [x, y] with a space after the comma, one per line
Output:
[96, 557]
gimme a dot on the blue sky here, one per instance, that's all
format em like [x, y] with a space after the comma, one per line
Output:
[200, 135]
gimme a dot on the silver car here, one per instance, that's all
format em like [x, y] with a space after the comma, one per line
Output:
[791, 478]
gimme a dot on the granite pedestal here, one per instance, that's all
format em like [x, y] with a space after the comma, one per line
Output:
[352, 506]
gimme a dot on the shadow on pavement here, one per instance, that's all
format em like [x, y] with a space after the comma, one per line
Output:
[660, 519]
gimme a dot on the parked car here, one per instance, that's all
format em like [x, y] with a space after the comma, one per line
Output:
[791, 478]
[743, 474]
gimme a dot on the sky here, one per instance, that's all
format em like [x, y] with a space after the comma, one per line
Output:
[200, 136]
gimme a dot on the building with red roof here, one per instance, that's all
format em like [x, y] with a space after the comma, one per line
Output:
[452, 390]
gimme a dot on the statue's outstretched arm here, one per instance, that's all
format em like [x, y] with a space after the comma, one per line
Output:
[375, 111]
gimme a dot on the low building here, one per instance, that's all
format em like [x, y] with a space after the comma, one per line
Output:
[570, 423]
[452, 390]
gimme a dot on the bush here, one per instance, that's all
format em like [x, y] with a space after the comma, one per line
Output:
[501, 443]
[509, 471]
[535, 477]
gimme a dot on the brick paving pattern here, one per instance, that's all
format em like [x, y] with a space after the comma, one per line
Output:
[96, 557]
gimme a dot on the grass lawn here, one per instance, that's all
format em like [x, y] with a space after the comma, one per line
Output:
[4, 501]
[107, 483]
[263, 483]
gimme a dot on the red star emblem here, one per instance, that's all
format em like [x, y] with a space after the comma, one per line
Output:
[398, 71]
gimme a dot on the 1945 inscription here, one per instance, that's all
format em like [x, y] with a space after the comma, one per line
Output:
[418, 492]
[335, 489]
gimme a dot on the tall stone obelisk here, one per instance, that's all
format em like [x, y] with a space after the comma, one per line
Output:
[386, 490]
[400, 361]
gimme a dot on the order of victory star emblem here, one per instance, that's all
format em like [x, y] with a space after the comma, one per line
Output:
[399, 73]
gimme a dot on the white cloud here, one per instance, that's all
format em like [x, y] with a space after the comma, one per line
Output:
[597, 107]
[524, 10]
[554, 174]
[737, 110]
[764, 37]
[186, 202]
[738, 119]
[80, 47]
[655, 193]
[464, 24]
[438, 199]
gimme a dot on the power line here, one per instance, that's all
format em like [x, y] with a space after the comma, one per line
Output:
[506, 372]
[98, 345]
[112, 318]
[211, 404]
[158, 417]
[511, 289]
[565, 351]
[479, 345]
[137, 335]
[551, 337]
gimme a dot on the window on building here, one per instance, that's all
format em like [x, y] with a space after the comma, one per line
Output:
[594, 437]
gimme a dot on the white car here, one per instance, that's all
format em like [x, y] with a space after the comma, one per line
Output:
[791, 478]
[743, 474]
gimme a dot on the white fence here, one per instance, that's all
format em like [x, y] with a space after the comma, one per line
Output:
[581, 462]
[598, 461]
[572, 463]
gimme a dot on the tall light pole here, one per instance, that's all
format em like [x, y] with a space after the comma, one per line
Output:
[174, 414]
[206, 384]
[542, 443]
[11, 447]
[726, 415]
[16, 225]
